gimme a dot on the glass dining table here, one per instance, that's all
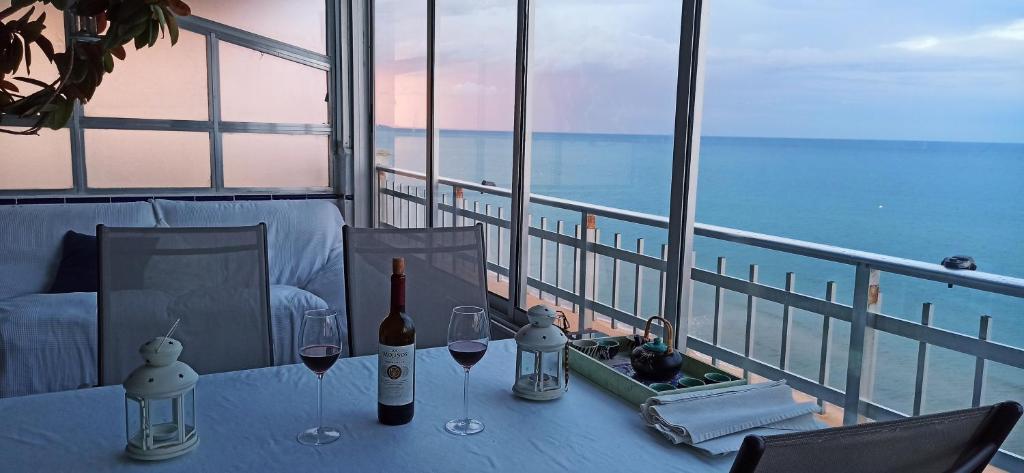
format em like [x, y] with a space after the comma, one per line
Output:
[247, 422]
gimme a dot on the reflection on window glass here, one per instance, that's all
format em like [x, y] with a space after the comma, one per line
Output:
[400, 68]
[162, 82]
[475, 84]
[301, 23]
[258, 87]
[35, 162]
[252, 160]
[140, 159]
[602, 104]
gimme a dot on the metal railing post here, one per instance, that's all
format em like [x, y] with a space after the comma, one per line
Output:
[787, 324]
[719, 307]
[749, 335]
[859, 351]
[921, 380]
[585, 233]
[984, 333]
[825, 359]
[459, 205]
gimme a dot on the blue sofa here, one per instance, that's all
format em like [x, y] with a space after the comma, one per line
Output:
[48, 341]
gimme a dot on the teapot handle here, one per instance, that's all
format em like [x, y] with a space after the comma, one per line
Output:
[670, 340]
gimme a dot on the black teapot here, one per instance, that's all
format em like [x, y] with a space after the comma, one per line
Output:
[656, 360]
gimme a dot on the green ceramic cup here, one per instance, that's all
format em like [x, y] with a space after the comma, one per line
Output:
[689, 383]
[607, 349]
[659, 387]
[715, 378]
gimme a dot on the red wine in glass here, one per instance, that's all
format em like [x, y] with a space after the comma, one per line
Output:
[320, 342]
[320, 358]
[467, 352]
[469, 331]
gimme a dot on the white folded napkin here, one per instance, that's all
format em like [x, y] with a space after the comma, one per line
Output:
[717, 420]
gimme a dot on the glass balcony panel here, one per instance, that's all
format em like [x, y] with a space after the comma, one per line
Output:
[41, 69]
[258, 87]
[256, 160]
[162, 82]
[475, 84]
[400, 71]
[36, 162]
[602, 107]
[147, 159]
[301, 23]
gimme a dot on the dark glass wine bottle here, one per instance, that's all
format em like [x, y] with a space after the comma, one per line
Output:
[396, 371]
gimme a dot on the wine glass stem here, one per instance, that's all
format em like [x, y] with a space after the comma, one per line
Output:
[319, 404]
[465, 398]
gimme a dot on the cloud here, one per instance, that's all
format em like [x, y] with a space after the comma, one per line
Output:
[999, 39]
[917, 44]
[1014, 31]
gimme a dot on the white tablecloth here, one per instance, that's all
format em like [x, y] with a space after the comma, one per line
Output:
[248, 421]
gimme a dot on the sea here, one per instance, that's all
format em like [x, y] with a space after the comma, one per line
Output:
[922, 200]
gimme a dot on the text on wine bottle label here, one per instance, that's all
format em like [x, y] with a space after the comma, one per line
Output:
[395, 374]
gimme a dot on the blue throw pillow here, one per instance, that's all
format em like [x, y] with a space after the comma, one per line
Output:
[79, 265]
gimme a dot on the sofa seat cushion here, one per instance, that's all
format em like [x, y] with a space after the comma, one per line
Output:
[287, 306]
[47, 343]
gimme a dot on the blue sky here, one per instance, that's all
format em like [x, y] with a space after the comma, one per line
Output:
[930, 70]
[948, 70]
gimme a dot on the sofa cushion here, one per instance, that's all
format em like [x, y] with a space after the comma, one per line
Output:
[31, 237]
[287, 306]
[47, 343]
[301, 234]
[78, 270]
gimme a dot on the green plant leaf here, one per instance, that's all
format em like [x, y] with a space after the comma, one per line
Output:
[29, 80]
[59, 117]
[118, 52]
[108, 62]
[172, 25]
[8, 86]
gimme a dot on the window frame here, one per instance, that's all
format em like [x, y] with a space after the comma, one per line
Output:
[334, 64]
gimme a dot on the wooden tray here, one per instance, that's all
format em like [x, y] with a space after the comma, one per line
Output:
[615, 374]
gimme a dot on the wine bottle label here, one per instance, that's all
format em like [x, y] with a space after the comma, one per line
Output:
[395, 374]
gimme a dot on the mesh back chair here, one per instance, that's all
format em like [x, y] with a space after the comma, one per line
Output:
[948, 442]
[214, 279]
[444, 268]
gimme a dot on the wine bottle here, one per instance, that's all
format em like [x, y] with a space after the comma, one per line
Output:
[396, 369]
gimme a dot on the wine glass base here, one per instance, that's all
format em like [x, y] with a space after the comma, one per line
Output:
[464, 426]
[321, 436]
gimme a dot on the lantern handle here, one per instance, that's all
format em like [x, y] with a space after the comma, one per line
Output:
[169, 332]
[670, 341]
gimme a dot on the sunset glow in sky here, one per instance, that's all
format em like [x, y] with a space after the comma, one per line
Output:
[928, 70]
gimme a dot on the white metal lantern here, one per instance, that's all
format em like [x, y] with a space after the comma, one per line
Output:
[160, 403]
[540, 357]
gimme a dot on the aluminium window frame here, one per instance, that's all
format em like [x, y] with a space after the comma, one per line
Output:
[686, 147]
[334, 64]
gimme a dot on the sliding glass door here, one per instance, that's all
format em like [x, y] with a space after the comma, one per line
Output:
[555, 125]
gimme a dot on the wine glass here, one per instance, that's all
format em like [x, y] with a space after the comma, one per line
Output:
[320, 342]
[469, 331]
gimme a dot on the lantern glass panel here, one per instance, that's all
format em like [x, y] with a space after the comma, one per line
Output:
[528, 364]
[189, 414]
[551, 369]
[133, 421]
[162, 416]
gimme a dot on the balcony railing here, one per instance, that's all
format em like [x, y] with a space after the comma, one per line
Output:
[401, 203]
